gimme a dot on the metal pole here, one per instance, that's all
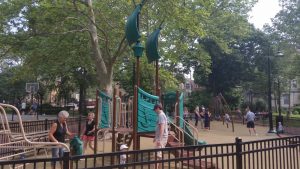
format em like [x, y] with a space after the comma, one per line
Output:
[97, 122]
[137, 72]
[135, 120]
[271, 130]
[279, 98]
[156, 78]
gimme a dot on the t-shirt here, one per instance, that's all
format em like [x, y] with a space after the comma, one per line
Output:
[161, 119]
[250, 116]
[23, 105]
[123, 159]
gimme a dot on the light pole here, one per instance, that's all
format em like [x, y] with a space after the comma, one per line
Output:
[271, 130]
[280, 117]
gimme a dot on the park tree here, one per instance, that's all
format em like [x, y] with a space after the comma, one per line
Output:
[54, 38]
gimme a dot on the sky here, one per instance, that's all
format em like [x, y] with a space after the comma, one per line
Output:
[263, 11]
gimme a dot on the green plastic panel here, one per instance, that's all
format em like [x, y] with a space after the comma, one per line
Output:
[181, 109]
[105, 114]
[152, 46]
[146, 115]
[132, 29]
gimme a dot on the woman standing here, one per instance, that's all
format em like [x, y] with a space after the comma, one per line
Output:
[57, 133]
[207, 119]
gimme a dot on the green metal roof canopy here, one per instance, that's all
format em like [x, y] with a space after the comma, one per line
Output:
[152, 46]
[132, 29]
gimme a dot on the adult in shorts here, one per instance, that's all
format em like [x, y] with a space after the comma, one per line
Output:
[250, 117]
[161, 131]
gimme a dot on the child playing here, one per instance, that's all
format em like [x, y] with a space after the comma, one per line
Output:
[123, 157]
[89, 135]
[227, 119]
[280, 128]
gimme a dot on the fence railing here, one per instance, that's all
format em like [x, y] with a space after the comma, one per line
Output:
[42, 125]
[35, 131]
[279, 153]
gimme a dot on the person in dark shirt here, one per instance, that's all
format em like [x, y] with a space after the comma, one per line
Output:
[89, 132]
[57, 133]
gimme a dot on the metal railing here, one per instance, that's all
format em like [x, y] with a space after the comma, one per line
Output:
[279, 153]
[195, 132]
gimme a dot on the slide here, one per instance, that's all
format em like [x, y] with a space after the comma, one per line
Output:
[189, 139]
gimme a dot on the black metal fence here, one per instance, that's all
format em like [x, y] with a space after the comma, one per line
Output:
[42, 125]
[279, 153]
[36, 130]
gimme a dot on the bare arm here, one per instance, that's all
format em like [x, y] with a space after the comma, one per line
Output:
[161, 130]
[51, 132]
[68, 132]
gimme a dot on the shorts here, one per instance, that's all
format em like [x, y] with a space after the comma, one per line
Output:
[163, 145]
[88, 138]
[250, 124]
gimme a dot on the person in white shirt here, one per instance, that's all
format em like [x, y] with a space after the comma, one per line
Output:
[250, 117]
[123, 157]
[23, 107]
[161, 132]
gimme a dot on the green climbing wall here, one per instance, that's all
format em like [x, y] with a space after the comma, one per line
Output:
[146, 115]
[105, 113]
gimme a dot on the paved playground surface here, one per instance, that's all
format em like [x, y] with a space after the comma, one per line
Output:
[218, 134]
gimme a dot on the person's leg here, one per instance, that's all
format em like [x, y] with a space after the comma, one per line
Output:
[55, 154]
[91, 144]
[85, 142]
[254, 129]
[202, 123]
[249, 127]
[61, 154]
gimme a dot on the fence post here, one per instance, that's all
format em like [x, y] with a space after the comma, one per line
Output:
[66, 160]
[46, 124]
[79, 122]
[239, 151]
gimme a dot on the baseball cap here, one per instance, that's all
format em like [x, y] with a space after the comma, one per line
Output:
[123, 146]
[157, 106]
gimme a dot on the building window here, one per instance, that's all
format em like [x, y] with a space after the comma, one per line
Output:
[187, 86]
[286, 99]
[294, 84]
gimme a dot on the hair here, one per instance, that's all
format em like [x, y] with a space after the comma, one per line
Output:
[157, 106]
[92, 113]
[63, 113]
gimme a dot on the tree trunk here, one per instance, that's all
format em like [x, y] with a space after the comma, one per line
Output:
[103, 69]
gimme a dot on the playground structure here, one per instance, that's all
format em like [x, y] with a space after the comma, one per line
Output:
[21, 144]
[116, 116]
[219, 107]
